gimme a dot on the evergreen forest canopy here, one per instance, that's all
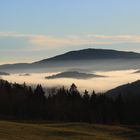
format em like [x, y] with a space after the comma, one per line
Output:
[22, 102]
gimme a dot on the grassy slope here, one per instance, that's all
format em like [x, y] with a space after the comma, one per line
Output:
[66, 131]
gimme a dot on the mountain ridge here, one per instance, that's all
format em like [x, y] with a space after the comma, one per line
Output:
[71, 58]
[91, 53]
[126, 90]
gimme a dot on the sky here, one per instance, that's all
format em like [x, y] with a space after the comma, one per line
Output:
[32, 30]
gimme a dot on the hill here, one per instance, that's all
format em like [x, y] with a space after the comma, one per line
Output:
[74, 74]
[138, 71]
[4, 73]
[91, 54]
[78, 59]
[129, 90]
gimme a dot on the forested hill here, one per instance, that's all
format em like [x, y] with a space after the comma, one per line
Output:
[92, 54]
[77, 58]
[22, 102]
[129, 90]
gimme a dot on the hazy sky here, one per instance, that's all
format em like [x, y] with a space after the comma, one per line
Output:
[36, 29]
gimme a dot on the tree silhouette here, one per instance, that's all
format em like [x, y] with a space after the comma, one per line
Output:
[23, 102]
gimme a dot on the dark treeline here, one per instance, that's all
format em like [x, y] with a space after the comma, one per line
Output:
[22, 102]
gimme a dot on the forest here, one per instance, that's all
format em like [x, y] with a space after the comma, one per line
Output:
[22, 102]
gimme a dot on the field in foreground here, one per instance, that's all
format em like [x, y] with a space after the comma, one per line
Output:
[66, 131]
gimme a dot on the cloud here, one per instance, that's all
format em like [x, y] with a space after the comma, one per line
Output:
[73, 40]
[119, 38]
[53, 41]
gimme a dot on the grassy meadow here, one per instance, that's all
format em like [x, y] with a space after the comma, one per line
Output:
[66, 131]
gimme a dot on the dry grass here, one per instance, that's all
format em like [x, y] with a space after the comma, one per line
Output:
[66, 131]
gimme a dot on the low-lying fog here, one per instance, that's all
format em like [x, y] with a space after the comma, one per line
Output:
[101, 84]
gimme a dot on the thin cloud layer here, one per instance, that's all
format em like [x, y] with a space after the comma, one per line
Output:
[86, 39]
